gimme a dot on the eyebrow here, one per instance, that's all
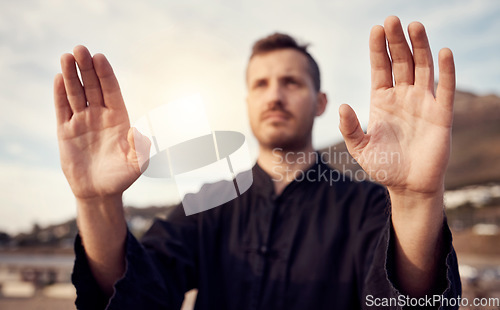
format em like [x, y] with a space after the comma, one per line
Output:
[284, 77]
[256, 81]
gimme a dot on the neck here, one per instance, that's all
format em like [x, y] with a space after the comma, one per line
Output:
[284, 165]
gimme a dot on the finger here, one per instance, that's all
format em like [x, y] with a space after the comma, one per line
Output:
[63, 109]
[91, 84]
[379, 59]
[109, 84]
[72, 83]
[422, 56]
[402, 60]
[351, 129]
[445, 92]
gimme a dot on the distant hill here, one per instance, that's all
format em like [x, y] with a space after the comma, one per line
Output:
[475, 157]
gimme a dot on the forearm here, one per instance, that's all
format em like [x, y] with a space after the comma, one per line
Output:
[103, 230]
[417, 221]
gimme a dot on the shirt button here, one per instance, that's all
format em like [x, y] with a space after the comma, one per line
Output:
[263, 249]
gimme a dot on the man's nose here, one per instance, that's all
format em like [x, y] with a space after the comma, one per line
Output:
[275, 95]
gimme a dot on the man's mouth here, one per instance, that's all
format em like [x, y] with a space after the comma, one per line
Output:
[275, 116]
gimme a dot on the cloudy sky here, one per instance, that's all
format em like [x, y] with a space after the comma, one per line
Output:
[163, 50]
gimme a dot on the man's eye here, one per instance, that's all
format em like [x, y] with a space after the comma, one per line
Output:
[291, 82]
[260, 84]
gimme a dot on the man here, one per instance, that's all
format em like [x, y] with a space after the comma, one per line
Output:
[285, 243]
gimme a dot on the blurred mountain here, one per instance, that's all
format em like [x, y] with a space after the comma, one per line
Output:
[475, 157]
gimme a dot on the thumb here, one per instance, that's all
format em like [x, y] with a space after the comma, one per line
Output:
[141, 146]
[351, 130]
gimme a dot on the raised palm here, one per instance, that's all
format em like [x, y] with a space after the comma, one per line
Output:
[407, 144]
[96, 143]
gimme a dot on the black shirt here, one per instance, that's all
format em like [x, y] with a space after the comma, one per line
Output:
[324, 243]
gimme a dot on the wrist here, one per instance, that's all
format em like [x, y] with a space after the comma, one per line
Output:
[107, 210]
[107, 200]
[407, 193]
[417, 207]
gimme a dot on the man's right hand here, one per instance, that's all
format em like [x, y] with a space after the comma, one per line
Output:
[96, 143]
[101, 157]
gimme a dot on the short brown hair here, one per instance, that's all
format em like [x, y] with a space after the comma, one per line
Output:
[277, 41]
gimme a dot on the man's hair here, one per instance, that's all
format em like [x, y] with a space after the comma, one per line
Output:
[278, 41]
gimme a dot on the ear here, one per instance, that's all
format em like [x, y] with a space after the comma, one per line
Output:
[321, 106]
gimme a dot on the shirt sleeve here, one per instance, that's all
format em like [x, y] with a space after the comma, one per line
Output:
[379, 280]
[159, 269]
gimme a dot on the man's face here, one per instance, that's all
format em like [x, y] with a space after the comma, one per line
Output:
[282, 101]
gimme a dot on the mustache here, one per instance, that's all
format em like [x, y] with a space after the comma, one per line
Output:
[277, 108]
